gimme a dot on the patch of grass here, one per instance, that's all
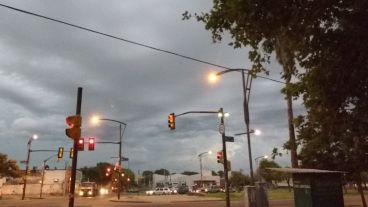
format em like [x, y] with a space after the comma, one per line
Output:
[280, 194]
[237, 196]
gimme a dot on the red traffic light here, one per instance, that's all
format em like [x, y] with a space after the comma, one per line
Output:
[80, 144]
[171, 121]
[220, 157]
[91, 143]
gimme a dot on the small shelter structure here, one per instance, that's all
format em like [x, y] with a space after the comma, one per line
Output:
[316, 188]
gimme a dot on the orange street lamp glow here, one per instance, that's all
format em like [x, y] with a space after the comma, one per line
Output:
[95, 120]
[212, 78]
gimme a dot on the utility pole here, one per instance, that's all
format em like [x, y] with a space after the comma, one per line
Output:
[225, 158]
[221, 114]
[75, 153]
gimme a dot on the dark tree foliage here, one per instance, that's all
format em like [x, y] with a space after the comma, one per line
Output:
[162, 172]
[238, 180]
[328, 42]
[8, 168]
[189, 173]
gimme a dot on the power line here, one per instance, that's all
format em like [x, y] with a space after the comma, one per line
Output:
[126, 40]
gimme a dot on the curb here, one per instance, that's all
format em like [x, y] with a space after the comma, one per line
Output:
[126, 201]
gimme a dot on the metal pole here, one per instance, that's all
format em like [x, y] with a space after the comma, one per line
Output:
[119, 170]
[75, 153]
[27, 167]
[43, 177]
[200, 167]
[225, 159]
[246, 91]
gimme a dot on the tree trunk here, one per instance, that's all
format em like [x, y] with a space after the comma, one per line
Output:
[360, 190]
[288, 183]
[293, 153]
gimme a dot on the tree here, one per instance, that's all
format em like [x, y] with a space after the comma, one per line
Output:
[268, 175]
[8, 168]
[189, 173]
[162, 172]
[266, 27]
[239, 180]
[220, 173]
[329, 43]
[148, 177]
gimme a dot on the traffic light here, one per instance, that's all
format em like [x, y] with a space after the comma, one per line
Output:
[71, 153]
[171, 121]
[60, 152]
[80, 144]
[220, 157]
[74, 123]
[91, 144]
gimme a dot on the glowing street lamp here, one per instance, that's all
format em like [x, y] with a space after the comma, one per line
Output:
[200, 164]
[34, 137]
[95, 120]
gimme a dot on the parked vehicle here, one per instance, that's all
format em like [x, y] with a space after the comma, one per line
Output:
[174, 190]
[158, 191]
[166, 191]
[150, 192]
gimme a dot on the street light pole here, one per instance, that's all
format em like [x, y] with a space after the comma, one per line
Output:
[121, 132]
[43, 173]
[247, 83]
[27, 164]
[200, 164]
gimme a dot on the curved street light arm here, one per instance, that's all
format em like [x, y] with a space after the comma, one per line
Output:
[113, 120]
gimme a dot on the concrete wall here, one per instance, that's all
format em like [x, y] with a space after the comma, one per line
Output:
[54, 183]
[32, 189]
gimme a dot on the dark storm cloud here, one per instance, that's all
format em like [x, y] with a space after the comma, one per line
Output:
[42, 63]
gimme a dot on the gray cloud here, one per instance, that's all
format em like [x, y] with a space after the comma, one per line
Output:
[42, 64]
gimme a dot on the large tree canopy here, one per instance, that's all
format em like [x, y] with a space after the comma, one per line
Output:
[324, 44]
[8, 168]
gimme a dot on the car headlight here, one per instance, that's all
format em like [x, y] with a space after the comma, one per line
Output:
[80, 193]
[89, 192]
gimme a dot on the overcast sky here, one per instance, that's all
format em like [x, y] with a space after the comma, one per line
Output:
[42, 63]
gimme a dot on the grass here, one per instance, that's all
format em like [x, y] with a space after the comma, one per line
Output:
[273, 194]
[237, 196]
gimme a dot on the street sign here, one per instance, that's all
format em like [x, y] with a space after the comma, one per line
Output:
[124, 159]
[229, 139]
[222, 128]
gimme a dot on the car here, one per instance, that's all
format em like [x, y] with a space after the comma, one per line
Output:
[150, 192]
[174, 190]
[166, 191]
[158, 191]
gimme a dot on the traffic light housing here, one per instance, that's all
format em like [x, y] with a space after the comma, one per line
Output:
[171, 121]
[74, 123]
[60, 152]
[80, 144]
[71, 153]
[91, 143]
[220, 157]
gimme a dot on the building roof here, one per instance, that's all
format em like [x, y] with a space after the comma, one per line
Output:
[302, 170]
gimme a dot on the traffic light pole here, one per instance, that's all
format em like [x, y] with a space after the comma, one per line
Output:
[75, 153]
[223, 136]
[225, 160]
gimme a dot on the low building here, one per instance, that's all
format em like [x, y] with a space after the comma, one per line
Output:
[193, 181]
[56, 182]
